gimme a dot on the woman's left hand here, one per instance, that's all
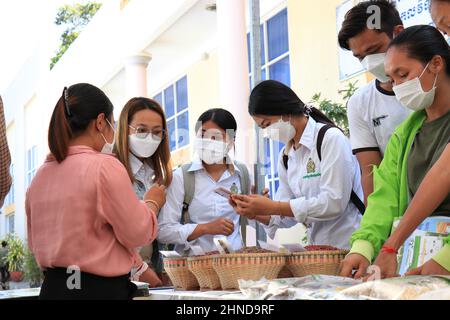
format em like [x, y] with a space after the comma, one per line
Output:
[150, 277]
[429, 268]
[387, 264]
[253, 205]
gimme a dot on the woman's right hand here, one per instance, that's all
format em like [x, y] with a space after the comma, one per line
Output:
[150, 277]
[157, 193]
[354, 261]
[220, 226]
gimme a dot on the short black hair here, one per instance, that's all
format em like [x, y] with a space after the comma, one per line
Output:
[4, 244]
[356, 20]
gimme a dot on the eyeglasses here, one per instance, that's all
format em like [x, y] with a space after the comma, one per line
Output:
[143, 132]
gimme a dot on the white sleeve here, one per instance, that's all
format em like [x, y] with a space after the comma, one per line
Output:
[336, 182]
[361, 137]
[284, 194]
[171, 230]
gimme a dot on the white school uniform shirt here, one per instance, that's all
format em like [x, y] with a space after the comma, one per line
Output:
[206, 206]
[319, 191]
[141, 171]
[373, 115]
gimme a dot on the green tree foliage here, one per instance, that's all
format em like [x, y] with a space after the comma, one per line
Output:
[75, 18]
[16, 253]
[336, 111]
[33, 273]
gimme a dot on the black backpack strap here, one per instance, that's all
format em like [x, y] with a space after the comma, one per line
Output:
[320, 138]
[358, 202]
[353, 197]
[285, 161]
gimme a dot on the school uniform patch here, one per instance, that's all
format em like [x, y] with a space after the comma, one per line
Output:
[311, 170]
[310, 166]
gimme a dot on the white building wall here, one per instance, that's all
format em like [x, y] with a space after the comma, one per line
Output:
[98, 57]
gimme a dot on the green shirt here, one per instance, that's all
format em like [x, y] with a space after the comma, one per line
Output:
[428, 146]
[391, 196]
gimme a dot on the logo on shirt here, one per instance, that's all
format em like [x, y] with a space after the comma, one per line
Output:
[234, 189]
[311, 170]
[377, 121]
[310, 166]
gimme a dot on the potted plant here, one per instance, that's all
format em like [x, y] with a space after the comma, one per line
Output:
[33, 273]
[15, 257]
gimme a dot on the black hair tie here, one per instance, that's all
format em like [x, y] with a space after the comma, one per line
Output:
[66, 102]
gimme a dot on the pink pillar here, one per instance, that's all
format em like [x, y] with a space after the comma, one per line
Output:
[136, 75]
[233, 67]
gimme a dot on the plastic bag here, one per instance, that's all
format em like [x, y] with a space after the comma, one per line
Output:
[404, 288]
[316, 287]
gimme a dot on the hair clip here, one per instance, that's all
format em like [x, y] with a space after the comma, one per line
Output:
[66, 101]
[308, 109]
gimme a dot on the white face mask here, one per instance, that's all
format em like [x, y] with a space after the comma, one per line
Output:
[374, 63]
[144, 147]
[108, 147]
[211, 151]
[411, 94]
[282, 131]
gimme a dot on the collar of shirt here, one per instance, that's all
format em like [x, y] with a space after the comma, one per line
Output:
[141, 170]
[308, 137]
[135, 164]
[197, 165]
[73, 150]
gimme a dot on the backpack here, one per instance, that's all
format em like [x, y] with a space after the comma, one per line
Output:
[189, 191]
[353, 197]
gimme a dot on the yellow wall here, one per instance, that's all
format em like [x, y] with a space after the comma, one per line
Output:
[314, 49]
[203, 94]
[10, 132]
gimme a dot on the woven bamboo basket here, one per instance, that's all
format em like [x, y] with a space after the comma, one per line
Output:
[316, 262]
[178, 272]
[250, 266]
[202, 268]
[285, 273]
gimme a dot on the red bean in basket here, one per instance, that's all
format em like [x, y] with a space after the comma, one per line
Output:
[320, 248]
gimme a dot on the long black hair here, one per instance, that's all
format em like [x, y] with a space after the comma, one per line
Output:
[222, 118]
[423, 42]
[272, 98]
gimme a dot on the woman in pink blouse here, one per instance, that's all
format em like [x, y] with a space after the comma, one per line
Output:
[84, 220]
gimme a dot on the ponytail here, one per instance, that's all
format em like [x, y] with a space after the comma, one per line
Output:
[320, 117]
[78, 106]
[59, 132]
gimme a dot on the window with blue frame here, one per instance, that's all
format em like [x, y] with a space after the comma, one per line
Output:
[275, 66]
[31, 164]
[274, 49]
[174, 100]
